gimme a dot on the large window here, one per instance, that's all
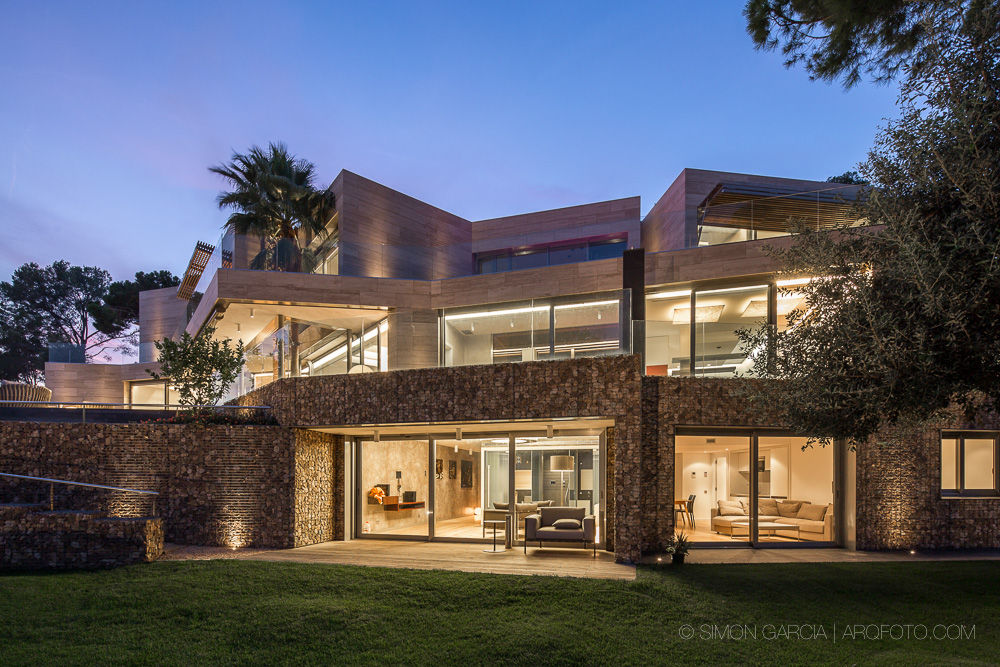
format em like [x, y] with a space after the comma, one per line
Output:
[562, 253]
[565, 328]
[693, 332]
[968, 464]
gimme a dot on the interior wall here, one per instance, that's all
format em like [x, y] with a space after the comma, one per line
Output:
[697, 478]
[379, 463]
[451, 501]
[811, 473]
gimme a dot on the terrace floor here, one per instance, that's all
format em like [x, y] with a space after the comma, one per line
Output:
[464, 557]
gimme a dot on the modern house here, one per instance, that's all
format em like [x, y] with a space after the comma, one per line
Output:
[585, 356]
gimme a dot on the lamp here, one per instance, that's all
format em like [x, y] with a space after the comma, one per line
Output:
[562, 464]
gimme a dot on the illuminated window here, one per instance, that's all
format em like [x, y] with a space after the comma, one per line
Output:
[968, 464]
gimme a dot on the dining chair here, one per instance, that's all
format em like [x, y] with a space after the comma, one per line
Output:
[690, 508]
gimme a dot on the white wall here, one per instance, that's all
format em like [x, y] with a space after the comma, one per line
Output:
[696, 476]
[811, 473]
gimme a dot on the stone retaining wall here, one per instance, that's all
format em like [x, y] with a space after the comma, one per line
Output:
[219, 485]
[31, 539]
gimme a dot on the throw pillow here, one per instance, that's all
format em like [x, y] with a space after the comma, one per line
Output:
[567, 524]
[730, 508]
[788, 509]
[523, 508]
[767, 507]
[812, 512]
[501, 506]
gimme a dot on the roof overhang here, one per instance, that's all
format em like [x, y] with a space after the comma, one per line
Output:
[776, 208]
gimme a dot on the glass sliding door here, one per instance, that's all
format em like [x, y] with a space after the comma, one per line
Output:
[712, 482]
[753, 488]
[556, 472]
[794, 490]
[394, 485]
[458, 488]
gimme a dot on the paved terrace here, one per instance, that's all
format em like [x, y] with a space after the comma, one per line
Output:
[429, 556]
[550, 562]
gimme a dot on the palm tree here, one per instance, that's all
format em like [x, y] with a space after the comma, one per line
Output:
[273, 197]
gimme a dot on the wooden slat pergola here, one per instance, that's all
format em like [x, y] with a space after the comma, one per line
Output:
[199, 260]
[776, 208]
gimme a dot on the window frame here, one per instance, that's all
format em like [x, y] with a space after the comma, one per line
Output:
[960, 437]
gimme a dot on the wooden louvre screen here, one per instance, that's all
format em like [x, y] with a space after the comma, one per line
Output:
[199, 260]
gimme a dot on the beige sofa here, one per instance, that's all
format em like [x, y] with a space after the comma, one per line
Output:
[809, 528]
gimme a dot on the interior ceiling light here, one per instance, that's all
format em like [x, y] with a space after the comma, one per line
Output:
[251, 313]
[756, 308]
[702, 314]
[793, 282]
[676, 294]
[743, 288]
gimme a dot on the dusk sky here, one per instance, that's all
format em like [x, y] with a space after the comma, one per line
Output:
[110, 114]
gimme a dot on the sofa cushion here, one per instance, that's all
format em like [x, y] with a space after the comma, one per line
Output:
[805, 525]
[812, 512]
[789, 509]
[552, 514]
[567, 524]
[726, 520]
[731, 508]
[767, 507]
[525, 508]
[544, 503]
[552, 533]
[501, 506]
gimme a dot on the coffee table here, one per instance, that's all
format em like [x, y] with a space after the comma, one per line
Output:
[763, 526]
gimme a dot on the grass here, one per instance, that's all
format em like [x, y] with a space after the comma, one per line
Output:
[257, 612]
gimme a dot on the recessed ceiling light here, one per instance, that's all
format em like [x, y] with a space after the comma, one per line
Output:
[701, 314]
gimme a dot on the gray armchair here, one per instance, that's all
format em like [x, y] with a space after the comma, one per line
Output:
[560, 524]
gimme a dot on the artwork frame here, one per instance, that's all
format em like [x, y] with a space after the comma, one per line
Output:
[466, 474]
[439, 468]
[452, 469]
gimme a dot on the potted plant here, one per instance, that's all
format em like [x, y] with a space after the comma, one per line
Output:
[678, 548]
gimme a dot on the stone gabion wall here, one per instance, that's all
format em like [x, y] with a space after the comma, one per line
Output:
[32, 540]
[899, 492]
[605, 387]
[669, 403]
[219, 485]
[319, 487]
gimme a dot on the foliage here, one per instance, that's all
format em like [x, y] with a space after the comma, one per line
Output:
[211, 417]
[79, 305]
[243, 612]
[273, 196]
[848, 178]
[678, 545]
[848, 39]
[201, 367]
[120, 307]
[906, 319]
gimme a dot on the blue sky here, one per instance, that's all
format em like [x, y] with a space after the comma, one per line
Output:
[110, 113]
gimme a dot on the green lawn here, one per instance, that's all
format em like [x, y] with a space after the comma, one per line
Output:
[239, 611]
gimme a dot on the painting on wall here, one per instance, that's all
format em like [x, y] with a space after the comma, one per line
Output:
[466, 474]
[452, 470]
[439, 468]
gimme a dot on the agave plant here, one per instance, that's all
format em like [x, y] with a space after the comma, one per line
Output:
[273, 196]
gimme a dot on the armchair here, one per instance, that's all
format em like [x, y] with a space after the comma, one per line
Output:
[560, 524]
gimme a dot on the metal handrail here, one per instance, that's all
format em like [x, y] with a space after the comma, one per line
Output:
[134, 406]
[53, 482]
